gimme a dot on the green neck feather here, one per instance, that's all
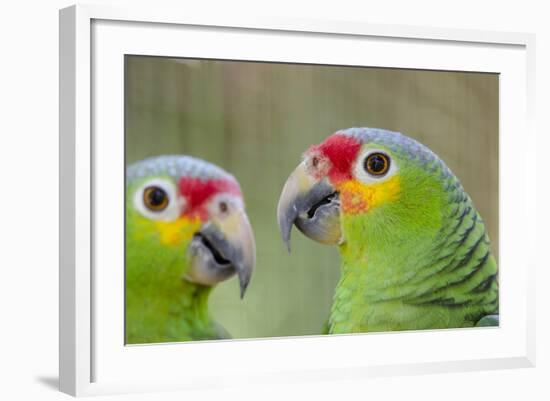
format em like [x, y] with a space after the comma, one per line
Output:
[418, 263]
[161, 306]
[170, 309]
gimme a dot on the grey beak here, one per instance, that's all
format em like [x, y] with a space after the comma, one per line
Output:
[312, 205]
[223, 247]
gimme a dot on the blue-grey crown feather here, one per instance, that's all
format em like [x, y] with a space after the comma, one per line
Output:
[401, 144]
[175, 166]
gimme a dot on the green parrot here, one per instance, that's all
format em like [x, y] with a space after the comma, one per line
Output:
[414, 251]
[186, 230]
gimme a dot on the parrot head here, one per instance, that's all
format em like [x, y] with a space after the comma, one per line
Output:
[185, 219]
[368, 184]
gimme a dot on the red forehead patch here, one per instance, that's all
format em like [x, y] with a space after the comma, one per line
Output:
[342, 151]
[197, 192]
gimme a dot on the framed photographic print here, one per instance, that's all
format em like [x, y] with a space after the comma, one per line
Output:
[270, 200]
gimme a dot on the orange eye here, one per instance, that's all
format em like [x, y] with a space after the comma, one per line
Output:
[155, 198]
[377, 164]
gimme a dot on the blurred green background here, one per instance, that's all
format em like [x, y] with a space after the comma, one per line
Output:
[256, 119]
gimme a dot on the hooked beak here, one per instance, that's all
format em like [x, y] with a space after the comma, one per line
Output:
[312, 205]
[224, 246]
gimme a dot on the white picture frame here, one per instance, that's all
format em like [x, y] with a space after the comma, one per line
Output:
[93, 359]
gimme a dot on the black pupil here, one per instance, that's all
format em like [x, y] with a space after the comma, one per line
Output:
[376, 163]
[156, 197]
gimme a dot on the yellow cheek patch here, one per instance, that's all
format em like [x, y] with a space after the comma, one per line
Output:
[356, 197]
[176, 232]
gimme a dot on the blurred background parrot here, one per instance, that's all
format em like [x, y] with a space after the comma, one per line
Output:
[414, 251]
[186, 230]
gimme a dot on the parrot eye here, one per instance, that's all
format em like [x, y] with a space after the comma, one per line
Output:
[155, 198]
[377, 164]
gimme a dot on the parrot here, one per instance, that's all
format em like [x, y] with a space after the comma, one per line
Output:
[186, 231]
[415, 253]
